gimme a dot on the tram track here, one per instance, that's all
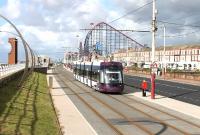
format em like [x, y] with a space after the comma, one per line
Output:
[117, 112]
[116, 130]
[174, 116]
[153, 116]
[134, 108]
[156, 119]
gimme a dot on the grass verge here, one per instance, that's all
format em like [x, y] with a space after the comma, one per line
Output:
[27, 110]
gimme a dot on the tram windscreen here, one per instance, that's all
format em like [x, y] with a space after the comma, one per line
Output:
[113, 76]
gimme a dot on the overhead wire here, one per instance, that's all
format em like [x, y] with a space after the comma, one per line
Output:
[132, 11]
[178, 35]
[177, 24]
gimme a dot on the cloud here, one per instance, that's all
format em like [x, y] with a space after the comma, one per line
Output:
[12, 9]
[55, 23]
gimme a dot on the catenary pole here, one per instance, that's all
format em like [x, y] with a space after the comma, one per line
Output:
[153, 64]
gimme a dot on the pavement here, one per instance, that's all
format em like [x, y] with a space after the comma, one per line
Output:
[73, 122]
[179, 106]
[176, 105]
[182, 107]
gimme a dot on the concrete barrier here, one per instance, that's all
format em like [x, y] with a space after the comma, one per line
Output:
[10, 77]
[41, 70]
[6, 69]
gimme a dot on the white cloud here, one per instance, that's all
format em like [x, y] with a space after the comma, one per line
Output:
[12, 9]
[55, 23]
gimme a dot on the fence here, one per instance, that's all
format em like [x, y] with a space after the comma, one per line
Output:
[176, 75]
[6, 69]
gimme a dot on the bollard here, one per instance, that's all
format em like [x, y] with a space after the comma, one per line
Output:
[153, 77]
[50, 82]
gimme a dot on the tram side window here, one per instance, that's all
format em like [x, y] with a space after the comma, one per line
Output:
[74, 70]
[95, 76]
[86, 73]
[79, 72]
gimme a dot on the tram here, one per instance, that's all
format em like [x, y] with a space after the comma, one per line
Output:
[102, 76]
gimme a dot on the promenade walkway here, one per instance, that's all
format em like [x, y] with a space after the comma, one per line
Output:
[71, 120]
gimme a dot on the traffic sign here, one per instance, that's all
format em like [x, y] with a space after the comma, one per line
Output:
[154, 67]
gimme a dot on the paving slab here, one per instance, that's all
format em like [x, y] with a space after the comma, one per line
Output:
[179, 106]
[71, 120]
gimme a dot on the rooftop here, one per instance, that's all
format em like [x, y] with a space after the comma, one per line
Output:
[168, 47]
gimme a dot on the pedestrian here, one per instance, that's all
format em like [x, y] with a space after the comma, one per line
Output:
[144, 88]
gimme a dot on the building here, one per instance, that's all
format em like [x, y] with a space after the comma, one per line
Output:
[12, 56]
[176, 57]
[42, 61]
[69, 57]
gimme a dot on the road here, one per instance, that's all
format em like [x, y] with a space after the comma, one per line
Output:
[179, 91]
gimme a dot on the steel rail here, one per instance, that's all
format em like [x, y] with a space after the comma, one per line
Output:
[119, 113]
[179, 118]
[91, 108]
[161, 110]
[157, 119]
[134, 108]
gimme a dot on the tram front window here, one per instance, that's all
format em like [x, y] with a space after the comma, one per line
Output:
[113, 77]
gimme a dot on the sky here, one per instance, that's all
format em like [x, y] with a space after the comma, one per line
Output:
[49, 26]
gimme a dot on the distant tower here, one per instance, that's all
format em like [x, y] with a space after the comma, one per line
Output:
[12, 56]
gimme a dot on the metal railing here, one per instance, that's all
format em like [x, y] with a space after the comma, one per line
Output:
[7, 69]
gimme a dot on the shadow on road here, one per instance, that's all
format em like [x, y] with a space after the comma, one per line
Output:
[163, 126]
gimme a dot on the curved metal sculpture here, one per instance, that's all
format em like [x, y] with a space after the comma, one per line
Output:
[105, 39]
[25, 48]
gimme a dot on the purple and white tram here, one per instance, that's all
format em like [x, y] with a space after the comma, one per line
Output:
[102, 76]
